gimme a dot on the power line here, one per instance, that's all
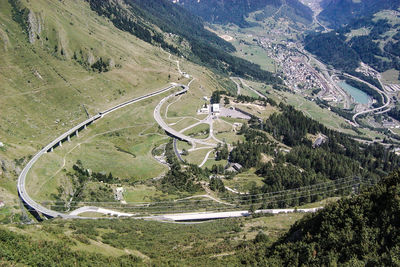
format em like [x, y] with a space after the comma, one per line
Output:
[294, 190]
[232, 209]
[239, 205]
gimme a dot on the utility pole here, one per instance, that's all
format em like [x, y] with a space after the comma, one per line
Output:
[87, 113]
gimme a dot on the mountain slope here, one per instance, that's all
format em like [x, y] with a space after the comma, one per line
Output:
[46, 79]
[196, 43]
[51, 75]
[372, 40]
[340, 12]
[359, 231]
[60, 63]
[223, 12]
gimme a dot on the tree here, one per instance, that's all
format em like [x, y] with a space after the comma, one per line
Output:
[252, 209]
[362, 230]
[261, 237]
[226, 101]
[222, 152]
[216, 97]
[185, 152]
[216, 184]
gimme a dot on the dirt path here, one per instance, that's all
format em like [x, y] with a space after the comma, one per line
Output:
[206, 158]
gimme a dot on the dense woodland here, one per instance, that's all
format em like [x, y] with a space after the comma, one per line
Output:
[283, 176]
[338, 157]
[122, 19]
[178, 179]
[248, 153]
[395, 113]
[334, 48]
[287, 125]
[362, 230]
[224, 12]
[341, 12]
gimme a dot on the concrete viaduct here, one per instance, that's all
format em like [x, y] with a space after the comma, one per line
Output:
[39, 209]
[21, 185]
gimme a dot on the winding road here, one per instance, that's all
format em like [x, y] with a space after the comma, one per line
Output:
[382, 93]
[228, 214]
[33, 205]
[192, 216]
[177, 152]
[248, 86]
[58, 141]
[237, 85]
[170, 130]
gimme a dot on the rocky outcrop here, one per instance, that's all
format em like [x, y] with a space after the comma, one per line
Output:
[34, 26]
[4, 41]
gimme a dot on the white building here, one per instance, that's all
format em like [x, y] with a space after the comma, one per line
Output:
[215, 108]
[203, 110]
[118, 193]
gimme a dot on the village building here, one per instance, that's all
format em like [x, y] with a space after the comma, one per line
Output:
[234, 167]
[215, 108]
[118, 193]
[203, 110]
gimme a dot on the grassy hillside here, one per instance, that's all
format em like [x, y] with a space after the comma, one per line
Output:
[355, 231]
[45, 91]
[44, 88]
[62, 62]
[130, 242]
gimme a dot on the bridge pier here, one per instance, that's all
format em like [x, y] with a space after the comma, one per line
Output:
[84, 127]
[51, 149]
[69, 138]
[77, 133]
[60, 143]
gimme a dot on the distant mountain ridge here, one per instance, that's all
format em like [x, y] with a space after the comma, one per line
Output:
[235, 11]
[340, 12]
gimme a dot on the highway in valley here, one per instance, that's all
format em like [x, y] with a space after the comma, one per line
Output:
[382, 93]
[34, 206]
